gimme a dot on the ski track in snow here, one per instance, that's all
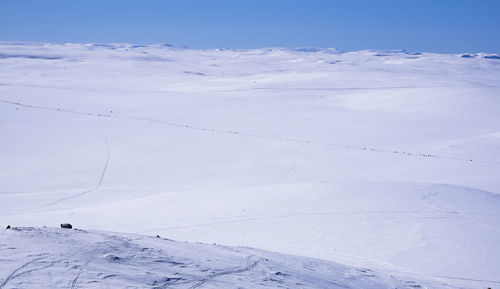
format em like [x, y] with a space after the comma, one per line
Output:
[192, 265]
[341, 88]
[14, 275]
[74, 282]
[452, 210]
[295, 153]
[227, 272]
[307, 248]
[384, 264]
[95, 188]
[390, 215]
[366, 148]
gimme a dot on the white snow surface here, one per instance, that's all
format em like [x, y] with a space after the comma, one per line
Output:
[385, 160]
[61, 258]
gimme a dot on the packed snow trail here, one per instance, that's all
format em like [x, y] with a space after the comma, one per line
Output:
[238, 133]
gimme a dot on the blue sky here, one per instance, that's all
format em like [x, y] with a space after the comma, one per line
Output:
[446, 26]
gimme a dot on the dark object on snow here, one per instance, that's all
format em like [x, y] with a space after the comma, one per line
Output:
[66, 226]
[492, 57]
[112, 258]
[467, 56]
[157, 236]
[8, 227]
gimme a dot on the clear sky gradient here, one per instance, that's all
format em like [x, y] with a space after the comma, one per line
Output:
[447, 26]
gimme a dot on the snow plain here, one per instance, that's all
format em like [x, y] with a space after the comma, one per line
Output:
[380, 159]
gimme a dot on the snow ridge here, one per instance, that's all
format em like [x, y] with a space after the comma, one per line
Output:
[91, 259]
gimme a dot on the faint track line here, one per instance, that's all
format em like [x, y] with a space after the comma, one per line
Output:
[433, 195]
[330, 88]
[296, 153]
[202, 280]
[13, 274]
[77, 277]
[274, 138]
[227, 272]
[33, 270]
[373, 214]
[464, 279]
[95, 188]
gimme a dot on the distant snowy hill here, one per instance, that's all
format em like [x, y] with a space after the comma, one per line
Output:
[387, 160]
[60, 258]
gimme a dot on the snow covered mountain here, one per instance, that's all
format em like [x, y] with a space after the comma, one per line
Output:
[385, 160]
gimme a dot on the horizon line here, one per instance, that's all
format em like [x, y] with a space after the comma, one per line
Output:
[312, 49]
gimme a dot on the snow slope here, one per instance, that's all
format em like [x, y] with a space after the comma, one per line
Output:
[380, 159]
[61, 258]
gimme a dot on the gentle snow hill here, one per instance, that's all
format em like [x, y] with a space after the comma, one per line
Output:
[60, 258]
[387, 160]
